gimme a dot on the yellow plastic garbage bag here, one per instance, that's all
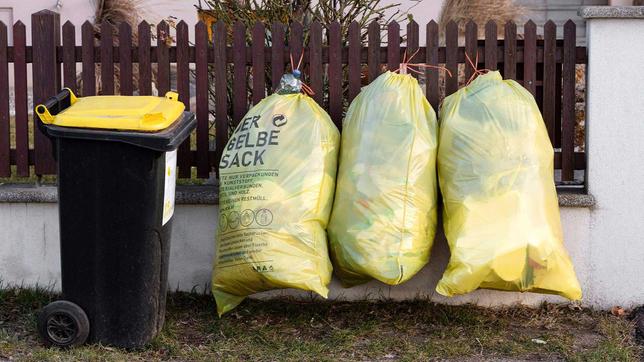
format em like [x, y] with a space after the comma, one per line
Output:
[501, 214]
[384, 215]
[277, 178]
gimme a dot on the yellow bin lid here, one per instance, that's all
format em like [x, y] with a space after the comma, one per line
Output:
[131, 113]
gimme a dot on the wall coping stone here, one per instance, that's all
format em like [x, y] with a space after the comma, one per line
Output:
[200, 195]
[611, 12]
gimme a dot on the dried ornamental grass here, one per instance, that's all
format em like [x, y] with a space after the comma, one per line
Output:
[480, 11]
[580, 108]
[116, 12]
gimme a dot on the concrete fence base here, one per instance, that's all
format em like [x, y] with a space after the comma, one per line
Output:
[30, 253]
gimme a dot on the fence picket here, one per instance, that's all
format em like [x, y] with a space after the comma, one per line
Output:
[316, 72]
[277, 53]
[221, 91]
[259, 72]
[510, 51]
[145, 68]
[240, 80]
[335, 73]
[432, 75]
[471, 48]
[373, 58]
[491, 45]
[568, 111]
[412, 43]
[549, 77]
[393, 46]
[530, 57]
[107, 58]
[183, 88]
[355, 65]
[295, 43]
[163, 58]
[125, 59]
[201, 79]
[451, 57]
[5, 141]
[88, 66]
[20, 104]
[69, 56]
[45, 36]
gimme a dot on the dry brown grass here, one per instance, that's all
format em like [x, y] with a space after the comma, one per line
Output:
[480, 11]
[116, 12]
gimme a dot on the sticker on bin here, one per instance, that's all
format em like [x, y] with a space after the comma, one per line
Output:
[170, 183]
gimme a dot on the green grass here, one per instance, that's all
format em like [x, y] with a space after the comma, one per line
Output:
[328, 331]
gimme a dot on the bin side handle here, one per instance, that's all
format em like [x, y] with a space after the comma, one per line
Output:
[54, 105]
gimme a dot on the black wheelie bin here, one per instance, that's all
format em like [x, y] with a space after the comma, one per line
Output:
[116, 185]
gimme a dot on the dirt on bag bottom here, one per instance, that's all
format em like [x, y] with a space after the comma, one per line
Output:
[350, 331]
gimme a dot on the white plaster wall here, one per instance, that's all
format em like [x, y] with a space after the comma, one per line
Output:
[575, 224]
[193, 247]
[78, 11]
[29, 255]
[615, 130]
[29, 244]
[558, 11]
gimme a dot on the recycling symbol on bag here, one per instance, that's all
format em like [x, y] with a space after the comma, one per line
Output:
[279, 120]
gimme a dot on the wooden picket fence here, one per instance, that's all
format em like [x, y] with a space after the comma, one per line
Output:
[336, 65]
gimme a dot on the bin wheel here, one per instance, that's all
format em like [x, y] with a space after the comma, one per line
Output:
[63, 324]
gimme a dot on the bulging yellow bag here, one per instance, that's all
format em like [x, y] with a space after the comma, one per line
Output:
[501, 214]
[277, 178]
[384, 215]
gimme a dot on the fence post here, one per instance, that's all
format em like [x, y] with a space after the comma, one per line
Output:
[45, 36]
[614, 134]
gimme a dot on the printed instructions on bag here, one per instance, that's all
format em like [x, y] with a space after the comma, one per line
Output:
[245, 192]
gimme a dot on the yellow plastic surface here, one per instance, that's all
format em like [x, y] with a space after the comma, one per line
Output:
[501, 214]
[139, 113]
[277, 178]
[384, 215]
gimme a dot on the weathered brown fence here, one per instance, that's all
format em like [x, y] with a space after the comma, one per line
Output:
[336, 65]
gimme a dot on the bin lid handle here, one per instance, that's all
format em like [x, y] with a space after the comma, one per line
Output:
[61, 101]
